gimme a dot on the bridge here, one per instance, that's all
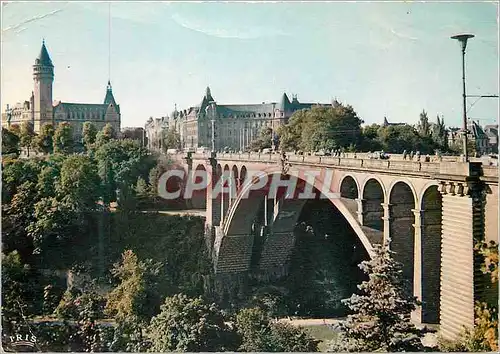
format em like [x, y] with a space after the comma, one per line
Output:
[429, 213]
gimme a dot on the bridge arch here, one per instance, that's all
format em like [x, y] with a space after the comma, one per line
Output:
[243, 175]
[402, 205]
[349, 187]
[431, 228]
[199, 197]
[241, 214]
[373, 196]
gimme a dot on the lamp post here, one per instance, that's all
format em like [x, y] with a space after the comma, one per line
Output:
[462, 38]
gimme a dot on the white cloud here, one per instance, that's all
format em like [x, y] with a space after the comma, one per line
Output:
[28, 20]
[218, 30]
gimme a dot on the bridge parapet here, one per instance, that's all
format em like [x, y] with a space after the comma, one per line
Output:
[445, 168]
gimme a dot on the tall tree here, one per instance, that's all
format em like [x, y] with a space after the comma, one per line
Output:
[290, 134]
[44, 142]
[440, 134]
[424, 127]
[89, 133]
[326, 127]
[63, 138]
[27, 135]
[171, 139]
[105, 135]
[381, 314]
[79, 183]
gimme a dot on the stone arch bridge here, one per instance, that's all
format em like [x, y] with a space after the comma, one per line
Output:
[430, 213]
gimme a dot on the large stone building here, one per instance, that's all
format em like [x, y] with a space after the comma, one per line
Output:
[155, 129]
[40, 109]
[235, 126]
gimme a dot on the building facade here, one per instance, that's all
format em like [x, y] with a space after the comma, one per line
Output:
[232, 126]
[492, 133]
[155, 129]
[40, 109]
[475, 135]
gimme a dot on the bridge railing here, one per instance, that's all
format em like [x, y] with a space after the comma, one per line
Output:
[448, 165]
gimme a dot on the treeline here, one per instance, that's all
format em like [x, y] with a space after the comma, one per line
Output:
[339, 127]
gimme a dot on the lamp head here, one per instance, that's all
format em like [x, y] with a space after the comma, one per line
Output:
[462, 38]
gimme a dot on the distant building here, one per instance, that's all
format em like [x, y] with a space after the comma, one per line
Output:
[475, 134]
[40, 109]
[235, 125]
[492, 133]
[134, 133]
[386, 123]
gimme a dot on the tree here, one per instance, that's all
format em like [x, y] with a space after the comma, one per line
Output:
[263, 141]
[105, 135]
[19, 289]
[10, 142]
[424, 127]
[63, 138]
[44, 141]
[171, 139]
[186, 324]
[381, 315]
[27, 135]
[134, 297]
[396, 138]
[370, 138]
[290, 134]
[440, 134]
[323, 128]
[17, 216]
[89, 132]
[120, 163]
[258, 334]
[79, 182]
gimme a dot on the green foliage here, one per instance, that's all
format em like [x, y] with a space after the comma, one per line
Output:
[44, 142]
[79, 182]
[15, 172]
[263, 141]
[89, 134]
[171, 139]
[423, 126]
[134, 299]
[186, 324]
[105, 135]
[321, 128]
[19, 289]
[258, 334]
[63, 139]
[27, 135]
[381, 315]
[10, 142]
[120, 163]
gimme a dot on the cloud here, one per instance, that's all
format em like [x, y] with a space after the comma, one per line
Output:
[31, 19]
[401, 35]
[253, 32]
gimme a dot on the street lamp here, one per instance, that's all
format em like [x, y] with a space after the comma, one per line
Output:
[462, 38]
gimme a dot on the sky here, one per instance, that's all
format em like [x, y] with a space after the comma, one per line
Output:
[390, 59]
